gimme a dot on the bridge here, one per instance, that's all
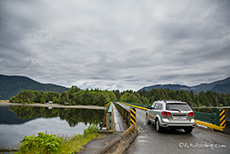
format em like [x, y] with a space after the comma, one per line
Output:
[149, 141]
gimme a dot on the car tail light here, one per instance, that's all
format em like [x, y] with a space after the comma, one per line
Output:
[191, 114]
[166, 114]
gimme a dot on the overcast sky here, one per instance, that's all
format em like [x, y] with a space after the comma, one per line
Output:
[115, 44]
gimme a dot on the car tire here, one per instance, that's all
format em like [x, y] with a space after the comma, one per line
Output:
[188, 130]
[147, 121]
[157, 126]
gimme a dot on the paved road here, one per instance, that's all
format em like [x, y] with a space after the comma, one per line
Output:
[175, 142]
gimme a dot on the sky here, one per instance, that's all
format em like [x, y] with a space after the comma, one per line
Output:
[116, 44]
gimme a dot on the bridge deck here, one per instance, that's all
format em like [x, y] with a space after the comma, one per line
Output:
[199, 141]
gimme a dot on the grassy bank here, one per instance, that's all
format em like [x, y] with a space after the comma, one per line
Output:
[4, 101]
[46, 144]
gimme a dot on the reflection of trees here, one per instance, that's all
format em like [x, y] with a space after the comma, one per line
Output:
[72, 116]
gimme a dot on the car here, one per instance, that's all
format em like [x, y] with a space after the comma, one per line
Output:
[171, 114]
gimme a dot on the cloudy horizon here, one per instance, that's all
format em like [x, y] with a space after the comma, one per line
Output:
[115, 44]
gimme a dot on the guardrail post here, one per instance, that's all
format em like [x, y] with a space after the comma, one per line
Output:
[108, 121]
[220, 117]
[133, 116]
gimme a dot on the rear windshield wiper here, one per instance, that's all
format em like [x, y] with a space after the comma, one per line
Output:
[176, 110]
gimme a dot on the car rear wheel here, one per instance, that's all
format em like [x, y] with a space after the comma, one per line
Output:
[157, 126]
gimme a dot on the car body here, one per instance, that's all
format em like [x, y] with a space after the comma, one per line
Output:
[171, 114]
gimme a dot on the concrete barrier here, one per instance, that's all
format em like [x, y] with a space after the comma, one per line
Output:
[121, 143]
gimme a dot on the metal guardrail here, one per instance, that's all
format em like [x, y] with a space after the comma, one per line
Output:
[108, 119]
[136, 104]
[206, 117]
[140, 106]
[124, 111]
[217, 118]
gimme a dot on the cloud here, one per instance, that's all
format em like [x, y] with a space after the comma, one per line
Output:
[115, 44]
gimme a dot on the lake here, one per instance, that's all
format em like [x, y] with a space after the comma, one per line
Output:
[18, 121]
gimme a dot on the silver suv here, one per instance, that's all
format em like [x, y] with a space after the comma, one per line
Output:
[171, 114]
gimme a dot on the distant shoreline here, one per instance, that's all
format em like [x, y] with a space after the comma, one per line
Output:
[55, 105]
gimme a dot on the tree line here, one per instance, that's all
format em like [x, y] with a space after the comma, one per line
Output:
[208, 98]
[76, 96]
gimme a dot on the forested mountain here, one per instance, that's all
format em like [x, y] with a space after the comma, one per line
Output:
[221, 86]
[168, 86]
[12, 85]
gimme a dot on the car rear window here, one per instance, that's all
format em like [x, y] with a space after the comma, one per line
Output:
[178, 106]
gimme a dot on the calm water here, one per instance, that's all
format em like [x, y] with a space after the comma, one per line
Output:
[18, 121]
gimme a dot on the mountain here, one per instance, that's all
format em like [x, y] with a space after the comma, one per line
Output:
[12, 85]
[167, 86]
[221, 86]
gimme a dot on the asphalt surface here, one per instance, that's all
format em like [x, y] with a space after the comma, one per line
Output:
[201, 140]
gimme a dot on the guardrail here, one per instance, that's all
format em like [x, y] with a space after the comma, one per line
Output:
[140, 106]
[215, 121]
[124, 111]
[207, 117]
[108, 119]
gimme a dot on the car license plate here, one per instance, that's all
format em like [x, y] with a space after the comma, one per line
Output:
[179, 117]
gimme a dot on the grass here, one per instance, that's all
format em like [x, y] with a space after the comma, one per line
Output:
[4, 100]
[74, 144]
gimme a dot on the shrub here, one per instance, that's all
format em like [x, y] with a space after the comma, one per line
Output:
[91, 129]
[43, 143]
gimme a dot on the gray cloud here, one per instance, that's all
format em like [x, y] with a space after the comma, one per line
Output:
[115, 44]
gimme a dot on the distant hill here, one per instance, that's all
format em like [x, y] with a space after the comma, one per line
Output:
[12, 85]
[221, 86]
[168, 86]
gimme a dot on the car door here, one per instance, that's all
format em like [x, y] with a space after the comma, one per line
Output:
[157, 110]
[152, 112]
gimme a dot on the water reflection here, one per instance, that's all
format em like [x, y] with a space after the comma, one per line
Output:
[18, 121]
[72, 116]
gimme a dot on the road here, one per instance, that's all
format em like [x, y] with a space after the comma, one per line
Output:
[175, 142]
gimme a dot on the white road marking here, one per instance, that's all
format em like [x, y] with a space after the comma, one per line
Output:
[142, 141]
[139, 128]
